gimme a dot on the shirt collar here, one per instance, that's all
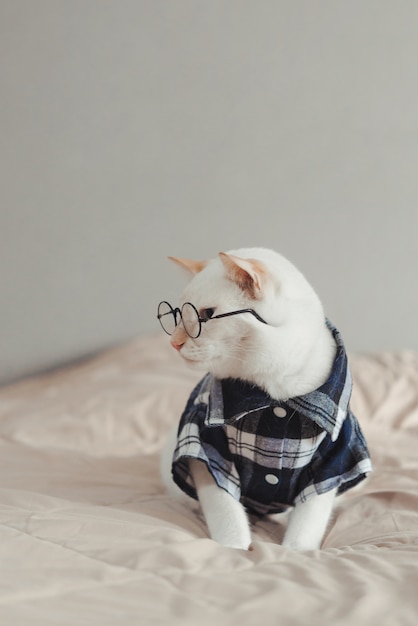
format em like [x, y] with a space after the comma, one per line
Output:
[228, 400]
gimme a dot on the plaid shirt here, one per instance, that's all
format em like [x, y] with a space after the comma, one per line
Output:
[271, 454]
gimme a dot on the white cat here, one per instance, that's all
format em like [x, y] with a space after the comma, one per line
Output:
[269, 427]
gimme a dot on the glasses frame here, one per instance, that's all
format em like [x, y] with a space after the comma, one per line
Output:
[178, 312]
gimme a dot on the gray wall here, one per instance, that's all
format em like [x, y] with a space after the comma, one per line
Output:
[131, 130]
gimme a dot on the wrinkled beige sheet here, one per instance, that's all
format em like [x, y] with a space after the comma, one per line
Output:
[88, 536]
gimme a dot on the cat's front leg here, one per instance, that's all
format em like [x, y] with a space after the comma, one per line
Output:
[308, 522]
[225, 517]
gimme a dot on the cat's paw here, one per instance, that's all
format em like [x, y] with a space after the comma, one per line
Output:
[236, 544]
[300, 546]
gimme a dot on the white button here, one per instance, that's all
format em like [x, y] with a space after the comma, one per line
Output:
[271, 479]
[279, 411]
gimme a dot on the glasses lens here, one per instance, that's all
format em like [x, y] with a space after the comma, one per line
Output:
[190, 318]
[166, 317]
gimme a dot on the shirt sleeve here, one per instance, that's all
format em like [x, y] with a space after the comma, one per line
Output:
[209, 444]
[336, 465]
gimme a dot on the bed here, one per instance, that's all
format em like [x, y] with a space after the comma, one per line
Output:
[89, 536]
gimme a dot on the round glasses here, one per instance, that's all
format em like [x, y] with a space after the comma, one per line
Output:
[192, 322]
[188, 314]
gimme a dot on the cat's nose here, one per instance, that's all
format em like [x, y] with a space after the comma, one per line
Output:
[177, 344]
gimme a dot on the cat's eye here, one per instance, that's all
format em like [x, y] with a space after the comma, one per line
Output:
[206, 314]
[192, 319]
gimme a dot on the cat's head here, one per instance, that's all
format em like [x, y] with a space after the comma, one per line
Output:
[278, 336]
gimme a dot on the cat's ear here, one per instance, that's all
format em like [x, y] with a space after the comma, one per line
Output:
[248, 274]
[192, 266]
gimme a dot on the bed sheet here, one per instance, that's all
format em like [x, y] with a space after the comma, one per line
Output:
[89, 536]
